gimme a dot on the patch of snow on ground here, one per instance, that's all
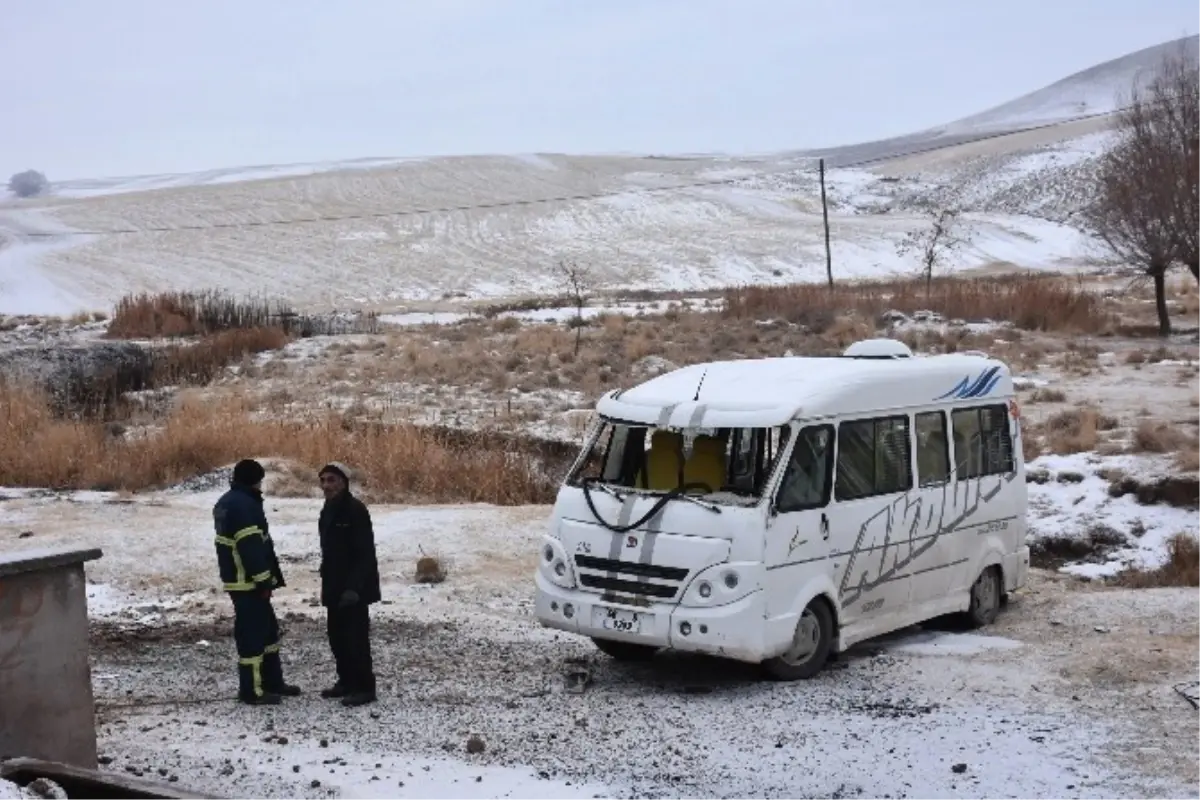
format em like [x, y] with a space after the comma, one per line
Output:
[1074, 508]
[105, 601]
[423, 318]
[939, 643]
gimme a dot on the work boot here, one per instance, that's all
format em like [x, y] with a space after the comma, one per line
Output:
[265, 699]
[358, 699]
[286, 690]
[335, 691]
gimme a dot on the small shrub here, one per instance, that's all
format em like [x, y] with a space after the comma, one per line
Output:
[1182, 567]
[430, 570]
[1150, 437]
[1048, 396]
[1076, 430]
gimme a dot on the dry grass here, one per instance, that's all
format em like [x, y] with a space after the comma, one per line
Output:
[1076, 430]
[1047, 396]
[1163, 438]
[1045, 303]
[178, 314]
[398, 462]
[1182, 567]
[1031, 440]
[1159, 437]
[172, 314]
[199, 363]
[504, 355]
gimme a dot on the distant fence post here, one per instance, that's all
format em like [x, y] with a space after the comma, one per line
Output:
[825, 218]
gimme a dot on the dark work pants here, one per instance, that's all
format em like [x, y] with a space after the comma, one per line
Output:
[350, 640]
[256, 633]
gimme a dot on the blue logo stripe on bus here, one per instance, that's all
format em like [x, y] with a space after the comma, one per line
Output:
[966, 388]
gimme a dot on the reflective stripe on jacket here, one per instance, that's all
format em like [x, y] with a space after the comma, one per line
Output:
[245, 553]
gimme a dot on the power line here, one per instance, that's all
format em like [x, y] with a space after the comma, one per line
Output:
[556, 199]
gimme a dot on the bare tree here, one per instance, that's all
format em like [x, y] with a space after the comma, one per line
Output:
[578, 283]
[1147, 208]
[1173, 95]
[1128, 216]
[934, 243]
[29, 183]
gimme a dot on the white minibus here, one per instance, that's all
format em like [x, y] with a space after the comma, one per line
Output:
[778, 510]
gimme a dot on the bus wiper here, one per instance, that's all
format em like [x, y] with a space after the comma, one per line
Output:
[608, 490]
[706, 506]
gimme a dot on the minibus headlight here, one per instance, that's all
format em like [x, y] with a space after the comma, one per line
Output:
[548, 553]
[560, 569]
[704, 589]
[731, 580]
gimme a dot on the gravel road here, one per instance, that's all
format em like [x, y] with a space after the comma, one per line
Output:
[1069, 695]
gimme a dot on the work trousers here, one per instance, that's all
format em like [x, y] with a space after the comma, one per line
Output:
[256, 633]
[349, 632]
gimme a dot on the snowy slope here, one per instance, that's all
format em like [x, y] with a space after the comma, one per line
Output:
[486, 227]
[96, 187]
[380, 233]
[1096, 90]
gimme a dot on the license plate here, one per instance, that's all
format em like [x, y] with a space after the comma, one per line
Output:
[620, 621]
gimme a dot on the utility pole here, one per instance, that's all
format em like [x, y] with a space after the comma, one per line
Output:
[825, 218]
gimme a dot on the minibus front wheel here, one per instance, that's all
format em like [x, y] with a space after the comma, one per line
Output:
[810, 646]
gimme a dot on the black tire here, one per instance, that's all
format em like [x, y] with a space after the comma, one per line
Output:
[626, 651]
[985, 598]
[816, 626]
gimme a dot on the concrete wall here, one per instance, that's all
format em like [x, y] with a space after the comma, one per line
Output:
[46, 705]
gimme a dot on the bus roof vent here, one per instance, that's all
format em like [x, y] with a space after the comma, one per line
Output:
[878, 348]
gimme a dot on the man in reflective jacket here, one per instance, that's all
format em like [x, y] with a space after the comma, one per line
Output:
[250, 571]
[349, 584]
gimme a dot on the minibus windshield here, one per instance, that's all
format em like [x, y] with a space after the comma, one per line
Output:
[724, 465]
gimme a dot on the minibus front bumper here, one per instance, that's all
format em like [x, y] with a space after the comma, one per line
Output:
[733, 630]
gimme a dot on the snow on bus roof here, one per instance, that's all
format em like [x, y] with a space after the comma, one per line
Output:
[772, 391]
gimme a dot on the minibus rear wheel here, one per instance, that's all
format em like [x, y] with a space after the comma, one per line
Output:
[810, 645]
[626, 651]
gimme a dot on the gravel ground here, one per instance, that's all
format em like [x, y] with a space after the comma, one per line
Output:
[1069, 695]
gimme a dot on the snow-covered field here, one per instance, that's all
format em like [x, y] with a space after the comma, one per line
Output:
[475, 228]
[379, 232]
[465, 658]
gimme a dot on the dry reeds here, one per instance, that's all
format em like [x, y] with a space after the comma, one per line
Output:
[1045, 303]
[178, 314]
[398, 462]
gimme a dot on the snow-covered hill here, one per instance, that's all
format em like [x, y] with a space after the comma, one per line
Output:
[1097, 90]
[382, 233]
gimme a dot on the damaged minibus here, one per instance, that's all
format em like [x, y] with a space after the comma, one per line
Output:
[778, 510]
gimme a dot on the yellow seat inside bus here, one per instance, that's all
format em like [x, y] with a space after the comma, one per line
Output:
[663, 462]
[706, 464]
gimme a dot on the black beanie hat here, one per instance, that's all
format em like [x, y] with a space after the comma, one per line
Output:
[248, 472]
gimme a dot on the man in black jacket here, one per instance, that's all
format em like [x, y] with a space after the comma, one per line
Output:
[349, 584]
[249, 572]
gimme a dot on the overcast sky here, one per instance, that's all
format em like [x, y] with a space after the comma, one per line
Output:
[93, 88]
